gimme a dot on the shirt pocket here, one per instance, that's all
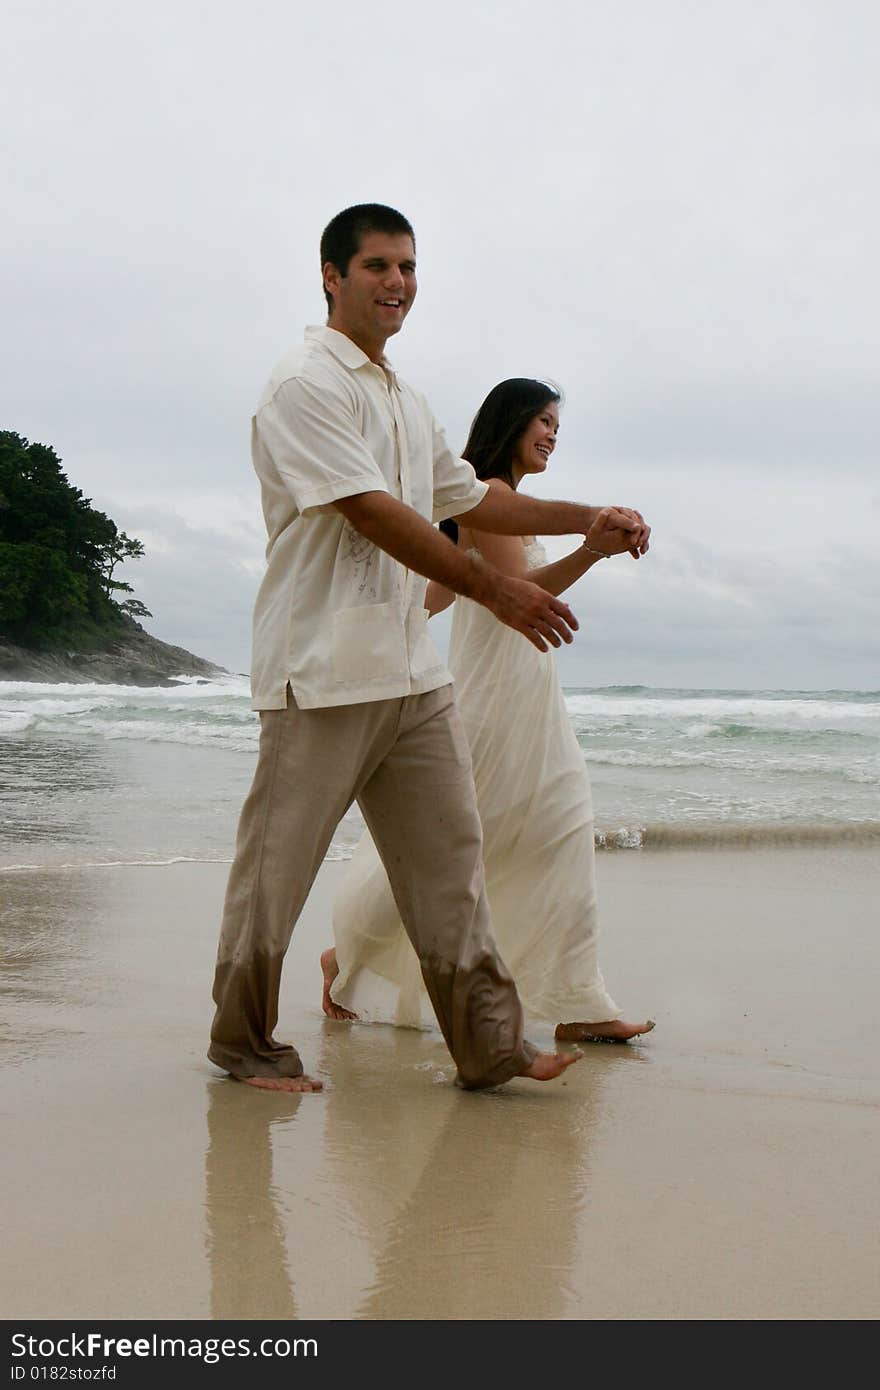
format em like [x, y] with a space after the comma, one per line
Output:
[423, 655]
[369, 643]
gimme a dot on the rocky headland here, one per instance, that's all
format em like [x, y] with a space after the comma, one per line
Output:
[130, 657]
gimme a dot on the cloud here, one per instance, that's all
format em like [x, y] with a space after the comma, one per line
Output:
[665, 208]
[198, 580]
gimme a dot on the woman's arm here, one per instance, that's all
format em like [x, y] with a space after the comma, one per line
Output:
[508, 554]
[437, 597]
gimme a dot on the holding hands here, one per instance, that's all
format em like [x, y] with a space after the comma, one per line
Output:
[618, 529]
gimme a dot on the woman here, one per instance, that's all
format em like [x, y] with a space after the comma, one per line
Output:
[532, 786]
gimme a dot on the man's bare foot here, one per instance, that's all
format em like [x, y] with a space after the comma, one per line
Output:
[616, 1030]
[330, 969]
[546, 1065]
[282, 1083]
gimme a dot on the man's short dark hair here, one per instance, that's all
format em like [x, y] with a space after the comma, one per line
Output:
[341, 238]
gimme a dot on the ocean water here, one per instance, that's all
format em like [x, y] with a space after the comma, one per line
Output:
[97, 774]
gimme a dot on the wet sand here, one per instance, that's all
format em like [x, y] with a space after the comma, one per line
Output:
[725, 1167]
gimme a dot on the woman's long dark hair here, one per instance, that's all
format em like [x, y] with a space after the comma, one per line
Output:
[497, 428]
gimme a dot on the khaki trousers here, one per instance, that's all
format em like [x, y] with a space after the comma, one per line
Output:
[407, 764]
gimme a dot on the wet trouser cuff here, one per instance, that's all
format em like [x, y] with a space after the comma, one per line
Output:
[505, 1071]
[282, 1061]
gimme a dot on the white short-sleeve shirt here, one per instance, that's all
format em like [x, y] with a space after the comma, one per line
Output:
[336, 616]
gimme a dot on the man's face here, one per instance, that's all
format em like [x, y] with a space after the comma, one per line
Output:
[372, 300]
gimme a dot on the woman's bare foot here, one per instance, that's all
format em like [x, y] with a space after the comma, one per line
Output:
[330, 969]
[616, 1030]
[546, 1065]
[282, 1083]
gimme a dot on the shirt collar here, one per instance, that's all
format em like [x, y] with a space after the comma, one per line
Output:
[342, 348]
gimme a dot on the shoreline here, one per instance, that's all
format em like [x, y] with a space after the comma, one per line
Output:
[659, 839]
[728, 1155]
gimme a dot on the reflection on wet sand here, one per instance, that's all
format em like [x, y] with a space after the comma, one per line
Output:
[49, 940]
[394, 1194]
[470, 1203]
[245, 1228]
[728, 1160]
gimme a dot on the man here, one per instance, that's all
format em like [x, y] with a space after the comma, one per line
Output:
[353, 698]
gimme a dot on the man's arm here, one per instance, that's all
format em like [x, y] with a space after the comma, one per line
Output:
[508, 513]
[413, 542]
[507, 553]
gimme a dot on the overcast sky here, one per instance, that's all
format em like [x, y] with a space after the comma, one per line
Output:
[670, 208]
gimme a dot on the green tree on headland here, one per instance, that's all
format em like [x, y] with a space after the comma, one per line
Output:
[58, 555]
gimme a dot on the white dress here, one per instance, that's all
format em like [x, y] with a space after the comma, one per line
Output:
[534, 798]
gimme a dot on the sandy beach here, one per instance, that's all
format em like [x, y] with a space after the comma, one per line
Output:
[723, 1168]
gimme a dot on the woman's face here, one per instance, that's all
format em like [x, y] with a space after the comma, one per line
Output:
[537, 442]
